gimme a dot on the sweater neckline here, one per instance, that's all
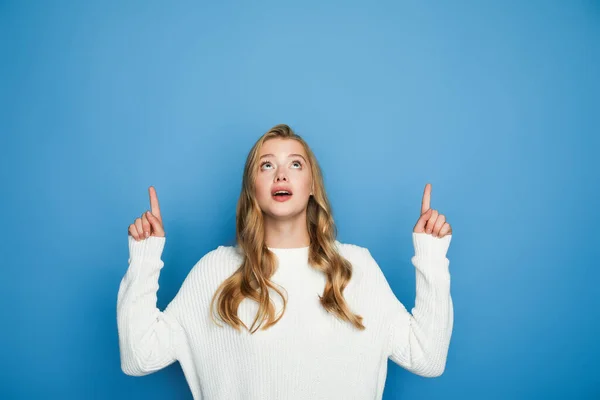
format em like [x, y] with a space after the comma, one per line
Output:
[290, 253]
[288, 249]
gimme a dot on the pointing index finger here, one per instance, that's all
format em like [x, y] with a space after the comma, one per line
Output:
[426, 202]
[154, 207]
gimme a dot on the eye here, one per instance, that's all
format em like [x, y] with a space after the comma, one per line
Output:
[298, 162]
[263, 163]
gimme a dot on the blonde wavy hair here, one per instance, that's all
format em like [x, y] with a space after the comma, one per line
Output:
[252, 278]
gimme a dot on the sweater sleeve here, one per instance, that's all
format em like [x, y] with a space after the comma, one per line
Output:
[419, 341]
[147, 336]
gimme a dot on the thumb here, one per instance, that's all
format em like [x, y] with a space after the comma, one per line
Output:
[420, 226]
[157, 228]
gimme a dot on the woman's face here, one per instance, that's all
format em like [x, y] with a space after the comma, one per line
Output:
[283, 165]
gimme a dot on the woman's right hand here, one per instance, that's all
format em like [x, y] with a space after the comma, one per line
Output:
[150, 223]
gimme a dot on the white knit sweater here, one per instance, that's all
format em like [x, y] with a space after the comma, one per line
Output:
[309, 353]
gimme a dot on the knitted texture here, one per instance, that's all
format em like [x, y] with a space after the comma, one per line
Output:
[309, 353]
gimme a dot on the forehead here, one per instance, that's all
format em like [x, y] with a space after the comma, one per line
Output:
[282, 147]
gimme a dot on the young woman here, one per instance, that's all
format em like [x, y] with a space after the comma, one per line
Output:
[302, 316]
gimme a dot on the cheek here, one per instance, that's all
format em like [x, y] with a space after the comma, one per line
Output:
[307, 185]
[262, 188]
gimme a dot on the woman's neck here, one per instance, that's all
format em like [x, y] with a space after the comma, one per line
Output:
[287, 234]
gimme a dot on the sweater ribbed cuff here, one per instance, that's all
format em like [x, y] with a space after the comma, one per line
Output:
[428, 246]
[148, 248]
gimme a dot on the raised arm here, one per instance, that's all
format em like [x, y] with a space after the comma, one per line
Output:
[148, 338]
[419, 341]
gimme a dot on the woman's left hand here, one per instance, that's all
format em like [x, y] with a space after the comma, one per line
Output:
[430, 220]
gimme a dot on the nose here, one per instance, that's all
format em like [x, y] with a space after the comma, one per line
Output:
[281, 177]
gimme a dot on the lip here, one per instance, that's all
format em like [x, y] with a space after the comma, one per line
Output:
[282, 199]
[278, 188]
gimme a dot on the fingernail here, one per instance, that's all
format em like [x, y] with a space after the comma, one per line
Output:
[146, 234]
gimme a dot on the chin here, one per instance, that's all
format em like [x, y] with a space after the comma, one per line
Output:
[282, 212]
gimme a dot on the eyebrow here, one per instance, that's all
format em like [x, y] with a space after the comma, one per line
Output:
[291, 155]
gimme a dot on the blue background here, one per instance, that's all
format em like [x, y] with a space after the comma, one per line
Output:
[494, 103]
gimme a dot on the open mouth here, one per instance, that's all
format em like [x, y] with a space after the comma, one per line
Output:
[282, 195]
